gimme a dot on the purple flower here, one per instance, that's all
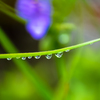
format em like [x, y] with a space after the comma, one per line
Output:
[38, 16]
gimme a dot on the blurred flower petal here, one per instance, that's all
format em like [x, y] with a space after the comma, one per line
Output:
[38, 15]
[38, 26]
[27, 9]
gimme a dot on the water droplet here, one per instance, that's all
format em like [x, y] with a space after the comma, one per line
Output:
[67, 50]
[9, 58]
[59, 55]
[23, 58]
[17, 57]
[48, 56]
[37, 57]
[29, 57]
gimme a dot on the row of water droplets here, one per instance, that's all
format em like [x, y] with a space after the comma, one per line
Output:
[58, 55]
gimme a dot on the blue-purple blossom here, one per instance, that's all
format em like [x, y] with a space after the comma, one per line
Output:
[37, 13]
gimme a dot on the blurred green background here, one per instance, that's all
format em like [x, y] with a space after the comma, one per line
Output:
[75, 76]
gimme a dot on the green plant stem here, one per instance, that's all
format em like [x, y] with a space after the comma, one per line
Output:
[74, 63]
[14, 55]
[62, 85]
[61, 67]
[4, 5]
[42, 87]
[12, 15]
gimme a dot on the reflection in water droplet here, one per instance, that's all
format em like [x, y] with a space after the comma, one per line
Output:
[48, 56]
[23, 58]
[59, 55]
[29, 57]
[37, 57]
[17, 57]
[9, 58]
[67, 50]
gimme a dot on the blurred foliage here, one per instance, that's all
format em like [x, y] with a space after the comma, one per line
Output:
[76, 76]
